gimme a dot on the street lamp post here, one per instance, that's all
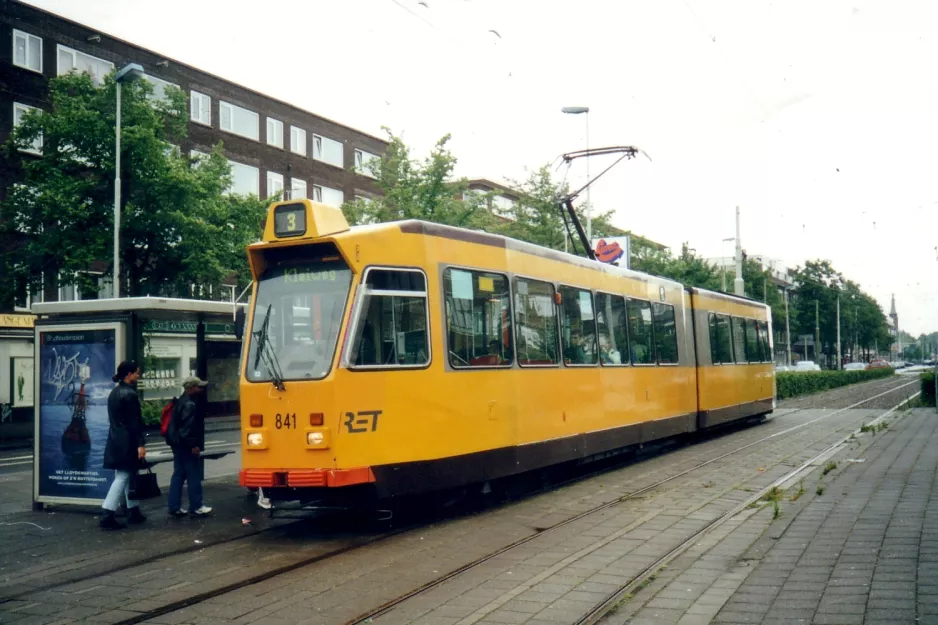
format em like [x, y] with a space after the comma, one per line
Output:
[723, 261]
[130, 72]
[585, 110]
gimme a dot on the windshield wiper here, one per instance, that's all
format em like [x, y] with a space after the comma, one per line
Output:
[266, 353]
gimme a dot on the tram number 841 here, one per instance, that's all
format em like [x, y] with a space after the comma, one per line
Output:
[287, 421]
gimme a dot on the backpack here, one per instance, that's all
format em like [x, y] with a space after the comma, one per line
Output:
[166, 416]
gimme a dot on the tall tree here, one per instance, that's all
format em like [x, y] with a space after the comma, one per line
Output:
[178, 226]
[418, 190]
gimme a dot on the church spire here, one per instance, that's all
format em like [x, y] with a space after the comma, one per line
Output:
[892, 309]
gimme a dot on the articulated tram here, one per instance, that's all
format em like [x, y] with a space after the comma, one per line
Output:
[400, 358]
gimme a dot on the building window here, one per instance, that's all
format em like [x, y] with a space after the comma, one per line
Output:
[612, 329]
[503, 207]
[275, 132]
[478, 318]
[19, 111]
[27, 51]
[274, 184]
[245, 180]
[641, 335]
[69, 60]
[239, 121]
[392, 330]
[721, 343]
[364, 162]
[328, 151]
[200, 108]
[665, 334]
[297, 140]
[159, 88]
[577, 327]
[328, 196]
[297, 189]
[536, 323]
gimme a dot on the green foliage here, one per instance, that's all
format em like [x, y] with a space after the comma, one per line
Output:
[793, 384]
[814, 302]
[819, 491]
[178, 227]
[830, 466]
[928, 389]
[151, 412]
[413, 190]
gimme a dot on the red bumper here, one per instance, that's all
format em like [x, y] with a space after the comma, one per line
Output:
[305, 478]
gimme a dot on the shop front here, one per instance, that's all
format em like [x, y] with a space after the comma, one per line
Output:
[16, 375]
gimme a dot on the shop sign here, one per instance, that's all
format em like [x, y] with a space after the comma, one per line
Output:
[17, 321]
[169, 326]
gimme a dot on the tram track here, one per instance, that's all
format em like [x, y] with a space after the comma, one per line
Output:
[371, 615]
[355, 545]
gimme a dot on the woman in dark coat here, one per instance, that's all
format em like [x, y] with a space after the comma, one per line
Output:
[125, 444]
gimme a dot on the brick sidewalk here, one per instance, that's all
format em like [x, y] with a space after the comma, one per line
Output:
[865, 551]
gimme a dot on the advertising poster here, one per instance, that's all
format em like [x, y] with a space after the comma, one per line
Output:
[75, 369]
[23, 382]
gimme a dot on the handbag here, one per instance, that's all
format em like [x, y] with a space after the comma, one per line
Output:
[144, 486]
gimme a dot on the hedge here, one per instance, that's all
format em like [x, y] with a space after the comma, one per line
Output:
[928, 388]
[795, 383]
[151, 411]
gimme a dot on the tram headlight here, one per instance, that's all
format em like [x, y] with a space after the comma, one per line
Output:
[315, 438]
[255, 439]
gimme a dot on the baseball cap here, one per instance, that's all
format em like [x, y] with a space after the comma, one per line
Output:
[193, 381]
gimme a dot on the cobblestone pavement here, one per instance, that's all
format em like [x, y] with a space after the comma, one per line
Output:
[587, 557]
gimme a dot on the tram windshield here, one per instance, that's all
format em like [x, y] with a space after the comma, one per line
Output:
[297, 314]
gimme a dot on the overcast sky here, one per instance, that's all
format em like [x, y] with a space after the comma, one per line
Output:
[819, 119]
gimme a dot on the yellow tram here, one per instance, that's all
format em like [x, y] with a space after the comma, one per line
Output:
[407, 357]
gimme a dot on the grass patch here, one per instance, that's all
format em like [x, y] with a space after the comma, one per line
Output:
[801, 491]
[819, 491]
[867, 428]
[829, 467]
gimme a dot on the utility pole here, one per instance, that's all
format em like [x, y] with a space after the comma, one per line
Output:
[817, 329]
[787, 332]
[738, 286]
[764, 296]
[839, 365]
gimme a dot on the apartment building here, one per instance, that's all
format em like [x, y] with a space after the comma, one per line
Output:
[272, 146]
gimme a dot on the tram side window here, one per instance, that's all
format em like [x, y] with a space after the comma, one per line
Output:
[763, 332]
[721, 346]
[578, 327]
[665, 334]
[478, 318]
[611, 327]
[739, 339]
[392, 328]
[641, 335]
[536, 323]
[753, 348]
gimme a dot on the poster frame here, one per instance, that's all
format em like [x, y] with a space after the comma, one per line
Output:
[13, 360]
[120, 329]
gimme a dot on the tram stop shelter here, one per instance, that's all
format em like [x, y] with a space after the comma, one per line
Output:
[77, 348]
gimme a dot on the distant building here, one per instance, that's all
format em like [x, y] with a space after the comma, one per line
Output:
[272, 146]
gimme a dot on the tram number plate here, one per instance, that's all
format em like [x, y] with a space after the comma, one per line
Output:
[287, 421]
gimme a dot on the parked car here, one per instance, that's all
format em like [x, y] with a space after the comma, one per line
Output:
[855, 366]
[806, 365]
[878, 364]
